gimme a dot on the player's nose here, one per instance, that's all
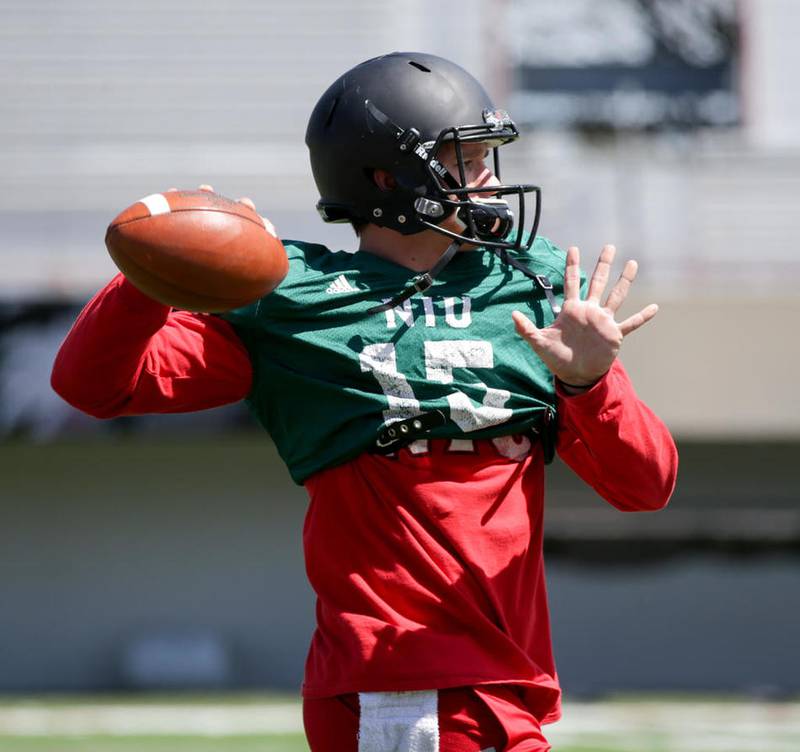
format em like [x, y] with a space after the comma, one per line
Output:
[486, 180]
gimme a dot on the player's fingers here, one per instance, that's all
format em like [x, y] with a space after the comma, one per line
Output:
[172, 190]
[525, 327]
[632, 323]
[247, 202]
[599, 280]
[572, 274]
[206, 188]
[620, 290]
[270, 228]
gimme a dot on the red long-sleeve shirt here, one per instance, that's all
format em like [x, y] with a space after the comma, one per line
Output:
[427, 566]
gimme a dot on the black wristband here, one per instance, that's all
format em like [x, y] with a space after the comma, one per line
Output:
[575, 386]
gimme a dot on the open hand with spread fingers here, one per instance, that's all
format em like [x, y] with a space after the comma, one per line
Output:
[582, 343]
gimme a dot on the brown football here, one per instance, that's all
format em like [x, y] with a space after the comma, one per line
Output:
[196, 250]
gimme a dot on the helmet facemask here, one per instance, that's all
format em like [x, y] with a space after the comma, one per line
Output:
[427, 192]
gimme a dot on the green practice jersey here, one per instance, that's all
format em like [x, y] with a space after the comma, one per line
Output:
[328, 375]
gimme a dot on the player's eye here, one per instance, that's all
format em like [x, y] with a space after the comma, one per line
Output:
[477, 159]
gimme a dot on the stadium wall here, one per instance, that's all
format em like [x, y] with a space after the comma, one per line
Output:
[111, 546]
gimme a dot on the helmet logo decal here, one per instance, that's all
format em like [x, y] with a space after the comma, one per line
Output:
[423, 150]
[439, 168]
[497, 119]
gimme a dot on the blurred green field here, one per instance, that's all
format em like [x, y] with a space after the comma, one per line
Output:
[270, 723]
[258, 743]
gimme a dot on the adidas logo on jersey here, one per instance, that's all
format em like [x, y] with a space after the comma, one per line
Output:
[340, 284]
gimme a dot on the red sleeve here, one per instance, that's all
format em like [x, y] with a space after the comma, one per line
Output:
[615, 443]
[127, 355]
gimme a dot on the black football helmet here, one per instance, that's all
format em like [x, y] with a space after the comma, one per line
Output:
[395, 112]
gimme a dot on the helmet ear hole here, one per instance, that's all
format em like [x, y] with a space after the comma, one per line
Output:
[384, 179]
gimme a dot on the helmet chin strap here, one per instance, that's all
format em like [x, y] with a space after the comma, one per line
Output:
[421, 282]
[487, 218]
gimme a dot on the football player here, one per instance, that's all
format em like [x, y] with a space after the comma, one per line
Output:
[417, 389]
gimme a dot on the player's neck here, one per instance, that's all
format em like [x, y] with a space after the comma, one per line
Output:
[418, 252]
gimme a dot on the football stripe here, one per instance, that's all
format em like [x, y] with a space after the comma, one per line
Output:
[156, 204]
